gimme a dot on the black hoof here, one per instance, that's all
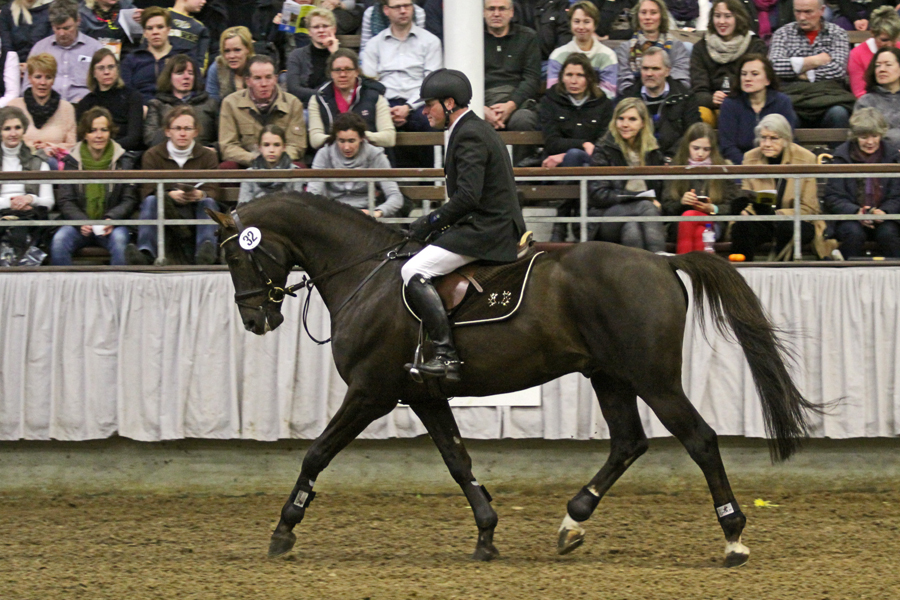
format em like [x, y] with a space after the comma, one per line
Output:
[281, 543]
[736, 559]
[569, 540]
[485, 553]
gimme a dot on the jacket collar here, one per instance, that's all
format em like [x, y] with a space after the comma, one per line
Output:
[242, 100]
[75, 154]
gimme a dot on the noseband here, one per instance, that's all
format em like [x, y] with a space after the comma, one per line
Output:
[275, 295]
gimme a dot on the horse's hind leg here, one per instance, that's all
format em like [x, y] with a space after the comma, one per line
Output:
[679, 416]
[441, 425]
[354, 415]
[618, 402]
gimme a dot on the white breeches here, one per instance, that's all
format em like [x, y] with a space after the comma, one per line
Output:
[433, 261]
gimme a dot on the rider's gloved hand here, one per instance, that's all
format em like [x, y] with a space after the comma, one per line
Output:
[420, 228]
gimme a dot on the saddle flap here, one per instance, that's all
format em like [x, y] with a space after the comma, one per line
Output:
[453, 286]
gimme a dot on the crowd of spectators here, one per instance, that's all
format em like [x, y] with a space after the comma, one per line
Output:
[106, 84]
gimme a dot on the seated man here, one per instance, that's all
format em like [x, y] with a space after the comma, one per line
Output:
[512, 72]
[72, 50]
[188, 35]
[671, 105]
[183, 200]
[400, 57]
[810, 56]
[246, 112]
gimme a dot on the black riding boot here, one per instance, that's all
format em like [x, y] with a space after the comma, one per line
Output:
[426, 303]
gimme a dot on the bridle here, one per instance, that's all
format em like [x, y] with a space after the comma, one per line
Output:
[275, 295]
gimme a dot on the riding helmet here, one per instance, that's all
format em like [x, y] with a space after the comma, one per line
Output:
[447, 83]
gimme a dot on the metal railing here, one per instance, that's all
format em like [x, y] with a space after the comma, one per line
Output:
[581, 175]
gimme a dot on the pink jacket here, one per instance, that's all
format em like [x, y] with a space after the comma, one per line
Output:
[860, 57]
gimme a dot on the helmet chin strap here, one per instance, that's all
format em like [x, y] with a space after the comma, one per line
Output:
[446, 116]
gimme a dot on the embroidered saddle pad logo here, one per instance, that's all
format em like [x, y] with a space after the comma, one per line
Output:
[479, 293]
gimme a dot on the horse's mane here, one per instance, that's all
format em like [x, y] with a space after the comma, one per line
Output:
[275, 210]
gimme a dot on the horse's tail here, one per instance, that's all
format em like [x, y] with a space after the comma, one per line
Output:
[731, 299]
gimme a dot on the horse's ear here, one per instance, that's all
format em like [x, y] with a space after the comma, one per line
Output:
[221, 218]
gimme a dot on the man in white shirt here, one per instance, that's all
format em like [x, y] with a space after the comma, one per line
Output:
[72, 50]
[400, 57]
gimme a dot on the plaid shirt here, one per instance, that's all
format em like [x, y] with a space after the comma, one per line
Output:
[790, 41]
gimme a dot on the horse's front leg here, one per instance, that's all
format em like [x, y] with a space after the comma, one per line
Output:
[441, 425]
[354, 415]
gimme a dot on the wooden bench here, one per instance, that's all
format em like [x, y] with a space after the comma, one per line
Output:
[349, 41]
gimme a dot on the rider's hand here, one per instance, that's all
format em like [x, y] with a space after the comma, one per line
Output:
[420, 228]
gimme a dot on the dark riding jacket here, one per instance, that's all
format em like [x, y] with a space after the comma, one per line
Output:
[482, 218]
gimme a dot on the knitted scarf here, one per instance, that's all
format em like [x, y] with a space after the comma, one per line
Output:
[763, 8]
[639, 44]
[723, 52]
[40, 114]
[872, 185]
[270, 187]
[95, 193]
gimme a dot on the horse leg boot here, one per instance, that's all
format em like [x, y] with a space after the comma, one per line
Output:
[355, 414]
[426, 302]
[618, 403]
[680, 417]
[441, 426]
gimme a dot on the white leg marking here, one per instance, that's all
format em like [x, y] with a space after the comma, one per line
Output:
[736, 548]
[570, 524]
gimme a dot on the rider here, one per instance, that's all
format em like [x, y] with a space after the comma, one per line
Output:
[481, 220]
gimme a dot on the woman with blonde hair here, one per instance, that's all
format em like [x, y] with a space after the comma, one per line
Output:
[628, 143]
[226, 74]
[23, 23]
[884, 26]
[52, 128]
[307, 66]
[697, 197]
[650, 21]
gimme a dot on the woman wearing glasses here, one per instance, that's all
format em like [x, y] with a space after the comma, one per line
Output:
[349, 92]
[306, 66]
[109, 91]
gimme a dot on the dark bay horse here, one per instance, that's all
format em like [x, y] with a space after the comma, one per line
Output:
[615, 314]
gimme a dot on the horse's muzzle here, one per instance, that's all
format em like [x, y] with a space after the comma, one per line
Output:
[261, 322]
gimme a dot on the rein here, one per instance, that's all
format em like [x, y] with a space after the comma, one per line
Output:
[276, 295]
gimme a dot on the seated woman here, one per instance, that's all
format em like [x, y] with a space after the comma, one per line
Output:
[52, 129]
[347, 148]
[95, 151]
[650, 20]
[183, 200]
[629, 143]
[271, 156]
[575, 113]
[583, 20]
[714, 59]
[776, 147]
[306, 66]
[109, 91]
[868, 196]
[226, 74]
[23, 23]
[885, 28]
[25, 201]
[697, 197]
[141, 68]
[883, 90]
[755, 98]
[179, 85]
[348, 91]
[856, 15]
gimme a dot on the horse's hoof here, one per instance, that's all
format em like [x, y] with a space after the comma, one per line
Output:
[569, 540]
[281, 543]
[736, 554]
[485, 553]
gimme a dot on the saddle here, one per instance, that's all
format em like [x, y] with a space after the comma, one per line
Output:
[485, 292]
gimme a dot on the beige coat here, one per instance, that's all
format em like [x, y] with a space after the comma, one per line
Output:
[59, 129]
[793, 155]
[240, 123]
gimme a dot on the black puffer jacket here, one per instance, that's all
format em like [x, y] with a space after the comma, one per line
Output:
[549, 18]
[707, 76]
[606, 193]
[567, 126]
[678, 112]
[841, 195]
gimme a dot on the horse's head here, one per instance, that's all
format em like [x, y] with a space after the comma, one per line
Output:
[259, 263]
